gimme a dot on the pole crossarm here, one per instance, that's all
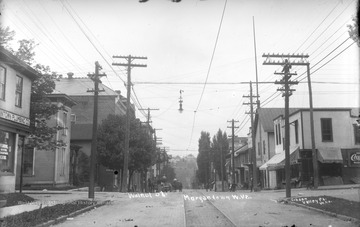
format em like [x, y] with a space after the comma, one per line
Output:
[131, 65]
[129, 56]
[288, 74]
[302, 59]
[289, 82]
[273, 55]
[282, 63]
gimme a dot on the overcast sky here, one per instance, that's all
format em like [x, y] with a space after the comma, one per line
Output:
[193, 42]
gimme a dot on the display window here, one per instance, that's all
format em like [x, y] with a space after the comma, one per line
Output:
[7, 152]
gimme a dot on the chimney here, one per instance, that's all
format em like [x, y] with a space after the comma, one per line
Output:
[70, 75]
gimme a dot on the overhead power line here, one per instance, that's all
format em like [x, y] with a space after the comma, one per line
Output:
[208, 72]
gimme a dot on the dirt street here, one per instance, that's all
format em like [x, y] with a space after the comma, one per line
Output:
[201, 208]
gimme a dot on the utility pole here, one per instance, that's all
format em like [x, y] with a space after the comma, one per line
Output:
[233, 149]
[129, 65]
[96, 78]
[253, 154]
[287, 92]
[156, 143]
[148, 117]
[301, 62]
[221, 168]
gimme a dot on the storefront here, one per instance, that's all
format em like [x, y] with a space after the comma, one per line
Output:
[274, 169]
[13, 130]
[330, 162]
[351, 165]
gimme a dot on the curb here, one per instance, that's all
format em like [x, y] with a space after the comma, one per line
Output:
[340, 216]
[64, 218]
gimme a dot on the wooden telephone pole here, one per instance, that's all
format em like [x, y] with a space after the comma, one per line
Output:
[96, 78]
[253, 154]
[129, 65]
[302, 62]
[233, 149]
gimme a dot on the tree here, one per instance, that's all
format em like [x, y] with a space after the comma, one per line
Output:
[42, 136]
[354, 30]
[25, 51]
[203, 158]
[111, 144]
[6, 36]
[219, 149]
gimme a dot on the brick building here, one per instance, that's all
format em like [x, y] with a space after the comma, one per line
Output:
[109, 102]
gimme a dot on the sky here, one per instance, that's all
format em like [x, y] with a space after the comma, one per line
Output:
[204, 48]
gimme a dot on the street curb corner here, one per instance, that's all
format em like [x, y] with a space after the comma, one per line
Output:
[340, 216]
[76, 213]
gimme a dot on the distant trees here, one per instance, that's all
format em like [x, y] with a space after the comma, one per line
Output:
[169, 172]
[219, 148]
[203, 158]
[211, 152]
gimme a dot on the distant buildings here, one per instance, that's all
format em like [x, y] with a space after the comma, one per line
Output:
[185, 170]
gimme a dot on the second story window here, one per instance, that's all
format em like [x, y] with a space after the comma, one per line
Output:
[18, 92]
[2, 82]
[357, 134]
[326, 130]
[264, 148]
[279, 133]
[296, 128]
[65, 115]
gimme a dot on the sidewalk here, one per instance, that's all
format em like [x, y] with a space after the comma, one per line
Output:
[50, 198]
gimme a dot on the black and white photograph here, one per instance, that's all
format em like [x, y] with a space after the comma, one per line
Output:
[183, 113]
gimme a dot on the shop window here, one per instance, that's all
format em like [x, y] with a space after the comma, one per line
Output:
[19, 91]
[326, 130]
[357, 134]
[28, 163]
[7, 150]
[2, 82]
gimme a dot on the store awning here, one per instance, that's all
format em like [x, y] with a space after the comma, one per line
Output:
[330, 155]
[278, 160]
[263, 167]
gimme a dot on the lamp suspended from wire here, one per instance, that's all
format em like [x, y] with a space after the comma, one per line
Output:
[180, 102]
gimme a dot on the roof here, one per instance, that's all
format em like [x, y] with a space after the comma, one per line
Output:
[65, 99]
[354, 111]
[81, 131]
[267, 116]
[80, 87]
[17, 64]
[243, 149]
